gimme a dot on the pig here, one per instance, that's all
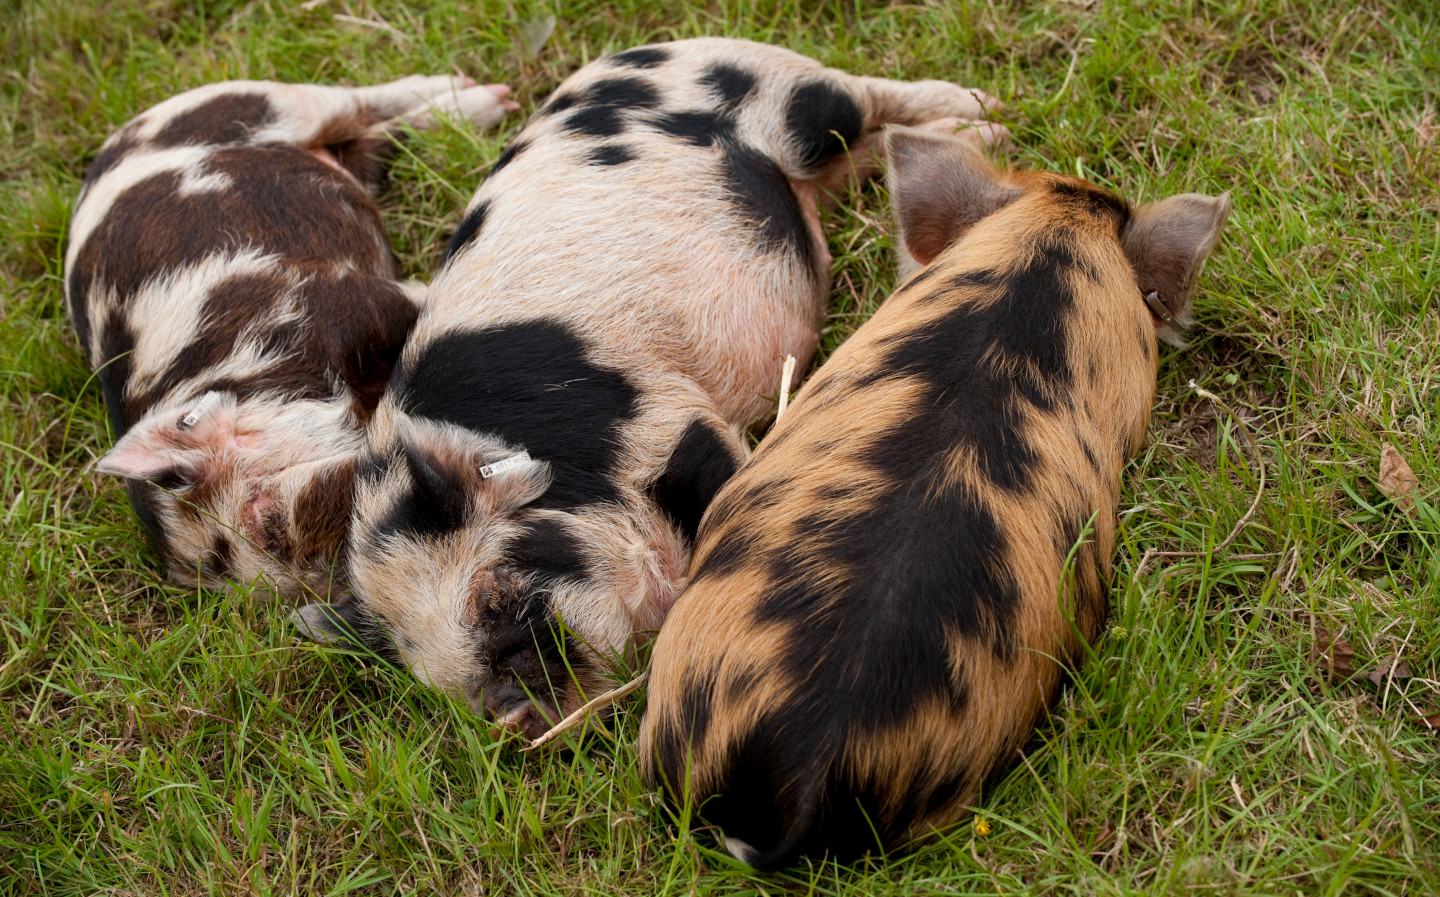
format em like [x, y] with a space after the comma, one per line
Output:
[229, 281]
[616, 306]
[883, 599]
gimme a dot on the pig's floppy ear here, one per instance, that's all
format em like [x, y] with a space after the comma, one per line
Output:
[439, 486]
[940, 186]
[344, 624]
[511, 480]
[1166, 243]
[178, 448]
[453, 469]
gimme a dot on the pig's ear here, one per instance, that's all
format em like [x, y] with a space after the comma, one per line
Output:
[176, 449]
[511, 480]
[1166, 243]
[451, 472]
[439, 481]
[344, 624]
[940, 186]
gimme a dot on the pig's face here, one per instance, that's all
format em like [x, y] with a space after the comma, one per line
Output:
[464, 573]
[255, 494]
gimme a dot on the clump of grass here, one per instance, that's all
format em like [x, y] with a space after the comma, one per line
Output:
[155, 740]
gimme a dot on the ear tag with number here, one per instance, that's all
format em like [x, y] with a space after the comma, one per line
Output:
[510, 463]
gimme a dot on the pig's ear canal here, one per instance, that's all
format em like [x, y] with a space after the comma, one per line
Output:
[941, 186]
[344, 624]
[177, 449]
[1167, 243]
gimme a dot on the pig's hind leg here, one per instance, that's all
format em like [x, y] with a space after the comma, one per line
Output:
[930, 105]
[356, 128]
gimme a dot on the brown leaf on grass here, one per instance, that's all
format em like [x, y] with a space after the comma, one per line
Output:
[1334, 654]
[1431, 722]
[1397, 480]
[1391, 665]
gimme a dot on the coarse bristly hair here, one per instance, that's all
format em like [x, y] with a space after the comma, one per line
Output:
[229, 279]
[616, 305]
[884, 598]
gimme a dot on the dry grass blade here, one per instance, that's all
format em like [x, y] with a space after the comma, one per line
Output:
[786, 375]
[589, 708]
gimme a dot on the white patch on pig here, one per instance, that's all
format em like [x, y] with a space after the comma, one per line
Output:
[175, 300]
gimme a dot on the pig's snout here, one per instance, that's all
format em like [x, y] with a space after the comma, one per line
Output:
[512, 710]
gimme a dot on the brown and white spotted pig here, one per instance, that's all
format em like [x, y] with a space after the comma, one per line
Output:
[616, 306]
[880, 608]
[229, 280]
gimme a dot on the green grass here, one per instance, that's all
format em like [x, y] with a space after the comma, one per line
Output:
[157, 741]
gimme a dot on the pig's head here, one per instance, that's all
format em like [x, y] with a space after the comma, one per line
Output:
[467, 569]
[251, 493]
[941, 186]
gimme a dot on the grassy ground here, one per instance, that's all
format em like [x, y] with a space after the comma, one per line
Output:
[157, 741]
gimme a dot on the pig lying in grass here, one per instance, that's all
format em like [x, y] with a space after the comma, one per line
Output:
[229, 280]
[884, 598]
[616, 307]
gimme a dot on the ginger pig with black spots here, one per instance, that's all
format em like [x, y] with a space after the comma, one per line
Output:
[880, 607]
[617, 304]
[229, 280]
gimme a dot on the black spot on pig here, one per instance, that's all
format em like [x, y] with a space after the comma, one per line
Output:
[532, 385]
[697, 128]
[981, 361]
[434, 506]
[610, 155]
[702, 461]
[731, 84]
[764, 773]
[559, 103]
[551, 550]
[508, 155]
[918, 280]
[697, 701]
[229, 118]
[641, 57]
[601, 109]
[761, 193]
[753, 495]
[1091, 200]
[821, 121]
[1090, 457]
[222, 555]
[730, 553]
[942, 575]
[468, 230]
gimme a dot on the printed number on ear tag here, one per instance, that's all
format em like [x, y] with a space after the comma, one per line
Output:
[490, 470]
